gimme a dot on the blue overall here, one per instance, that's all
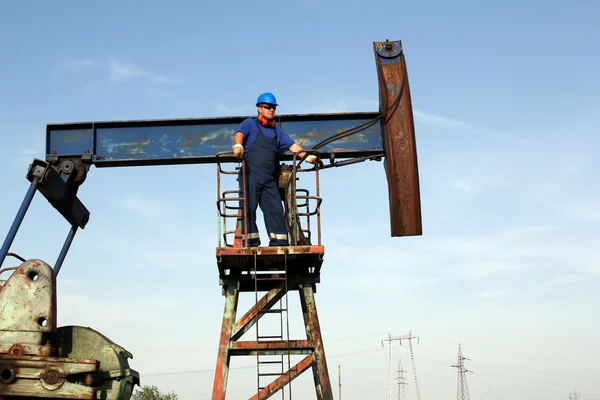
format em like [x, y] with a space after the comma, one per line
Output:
[261, 189]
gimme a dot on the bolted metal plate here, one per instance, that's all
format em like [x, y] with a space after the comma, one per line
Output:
[389, 49]
[28, 300]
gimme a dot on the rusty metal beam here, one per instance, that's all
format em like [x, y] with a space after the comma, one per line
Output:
[285, 378]
[223, 357]
[399, 140]
[231, 331]
[254, 314]
[313, 333]
[270, 347]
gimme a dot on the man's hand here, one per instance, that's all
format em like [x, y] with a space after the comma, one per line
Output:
[238, 151]
[312, 159]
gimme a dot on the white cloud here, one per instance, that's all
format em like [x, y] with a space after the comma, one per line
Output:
[116, 70]
[583, 212]
[122, 71]
[439, 121]
[530, 254]
[470, 180]
[446, 123]
[335, 102]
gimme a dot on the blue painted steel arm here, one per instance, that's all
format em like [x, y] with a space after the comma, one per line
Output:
[191, 141]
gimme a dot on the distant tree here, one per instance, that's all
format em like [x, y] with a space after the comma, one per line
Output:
[152, 393]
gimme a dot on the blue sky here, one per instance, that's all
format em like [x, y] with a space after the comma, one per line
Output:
[506, 109]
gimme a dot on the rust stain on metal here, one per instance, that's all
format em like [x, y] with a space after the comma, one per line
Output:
[284, 379]
[275, 250]
[222, 368]
[16, 350]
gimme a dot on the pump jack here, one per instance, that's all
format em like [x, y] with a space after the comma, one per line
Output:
[40, 360]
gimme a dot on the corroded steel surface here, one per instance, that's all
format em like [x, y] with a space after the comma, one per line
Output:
[232, 331]
[252, 347]
[246, 282]
[37, 359]
[223, 357]
[313, 333]
[285, 378]
[28, 300]
[266, 302]
[233, 261]
[399, 140]
[270, 251]
[44, 377]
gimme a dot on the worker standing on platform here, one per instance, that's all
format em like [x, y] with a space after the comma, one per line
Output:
[258, 140]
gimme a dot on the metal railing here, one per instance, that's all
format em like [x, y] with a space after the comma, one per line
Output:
[232, 204]
[231, 196]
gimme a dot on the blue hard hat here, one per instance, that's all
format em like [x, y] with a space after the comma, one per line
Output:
[267, 98]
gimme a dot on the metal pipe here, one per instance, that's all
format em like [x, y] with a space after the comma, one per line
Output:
[65, 249]
[318, 185]
[18, 219]
[245, 221]
[219, 206]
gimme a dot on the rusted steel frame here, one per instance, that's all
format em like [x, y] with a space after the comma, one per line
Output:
[271, 251]
[25, 376]
[224, 200]
[221, 222]
[34, 361]
[309, 213]
[270, 347]
[306, 207]
[247, 285]
[254, 314]
[399, 140]
[245, 217]
[295, 169]
[318, 190]
[224, 354]
[237, 236]
[290, 209]
[25, 349]
[284, 379]
[294, 200]
[313, 333]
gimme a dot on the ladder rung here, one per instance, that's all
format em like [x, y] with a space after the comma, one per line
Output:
[272, 374]
[270, 362]
[271, 337]
[269, 278]
[273, 310]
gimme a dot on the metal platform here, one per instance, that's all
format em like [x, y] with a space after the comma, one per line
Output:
[302, 264]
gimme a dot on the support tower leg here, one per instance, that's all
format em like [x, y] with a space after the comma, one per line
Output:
[232, 331]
